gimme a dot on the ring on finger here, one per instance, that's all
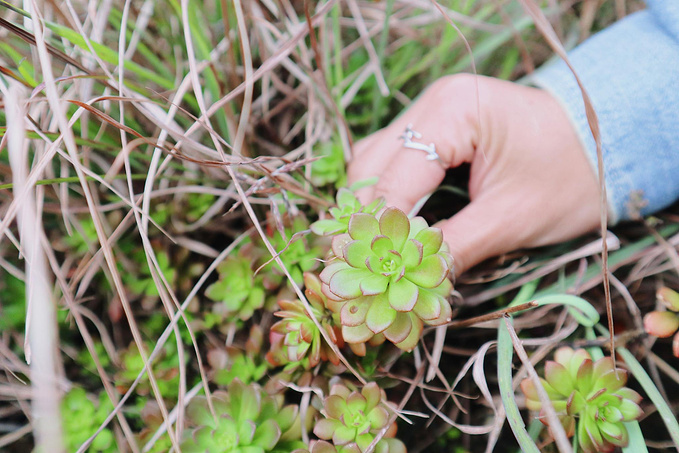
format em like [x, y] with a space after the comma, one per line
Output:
[409, 143]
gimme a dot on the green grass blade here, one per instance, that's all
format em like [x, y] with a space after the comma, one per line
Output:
[579, 308]
[637, 443]
[109, 55]
[505, 352]
[652, 392]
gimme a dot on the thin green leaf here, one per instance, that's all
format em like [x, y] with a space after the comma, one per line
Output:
[579, 308]
[637, 443]
[652, 392]
[505, 352]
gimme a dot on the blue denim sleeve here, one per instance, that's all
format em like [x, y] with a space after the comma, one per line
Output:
[631, 72]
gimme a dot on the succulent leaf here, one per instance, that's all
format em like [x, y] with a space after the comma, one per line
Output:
[661, 324]
[669, 298]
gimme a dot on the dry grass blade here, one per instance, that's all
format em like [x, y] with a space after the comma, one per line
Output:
[558, 432]
[491, 316]
[543, 25]
[42, 339]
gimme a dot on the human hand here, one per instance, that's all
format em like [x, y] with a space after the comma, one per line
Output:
[530, 183]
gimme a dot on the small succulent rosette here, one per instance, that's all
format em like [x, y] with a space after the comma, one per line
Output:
[589, 397]
[388, 276]
[330, 168]
[165, 370]
[82, 417]
[229, 363]
[296, 338]
[245, 419]
[298, 251]
[238, 292]
[353, 419]
[347, 205]
[664, 324]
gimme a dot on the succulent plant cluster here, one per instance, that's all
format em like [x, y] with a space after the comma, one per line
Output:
[299, 252]
[238, 292]
[330, 168]
[245, 420]
[387, 277]
[165, 370]
[296, 338]
[246, 365]
[664, 324]
[347, 205]
[353, 419]
[82, 417]
[590, 398]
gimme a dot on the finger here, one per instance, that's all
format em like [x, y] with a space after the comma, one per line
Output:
[407, 178]
[446, 115]
[409, 175]
[373, 154]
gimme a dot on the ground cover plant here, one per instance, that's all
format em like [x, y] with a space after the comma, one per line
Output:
[184, 268]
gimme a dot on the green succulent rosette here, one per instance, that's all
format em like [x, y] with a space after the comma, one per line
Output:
[231, 363]
[330, 168]
[590, 398]
[296, 337]
[82, 417]
[347, 205]
[298, 251]
[389, 277]
[353, 419]
[246, 420]
[165, 370]
[238, 291]
[140, 282]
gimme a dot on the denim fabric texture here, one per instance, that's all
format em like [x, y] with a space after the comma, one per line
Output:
[631, 72]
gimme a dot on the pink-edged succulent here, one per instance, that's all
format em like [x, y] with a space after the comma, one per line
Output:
[296, 337]
[347, 205]
[353, 419]
[664, 324]
[590, 398]
[389, 276]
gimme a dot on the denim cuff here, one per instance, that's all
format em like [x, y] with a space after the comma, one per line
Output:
[631, 73]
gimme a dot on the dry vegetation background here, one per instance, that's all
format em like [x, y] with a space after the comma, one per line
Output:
[143, 141]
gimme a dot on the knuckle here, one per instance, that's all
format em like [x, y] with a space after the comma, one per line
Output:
[456, 84]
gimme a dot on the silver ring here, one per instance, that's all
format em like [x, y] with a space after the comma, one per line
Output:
[408, 142]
